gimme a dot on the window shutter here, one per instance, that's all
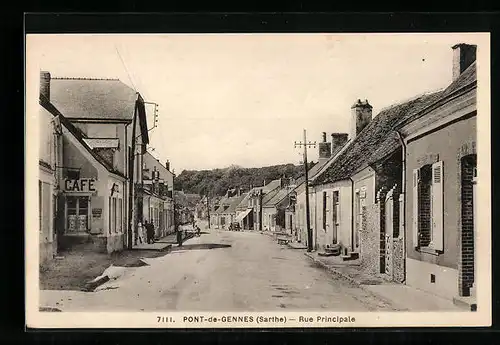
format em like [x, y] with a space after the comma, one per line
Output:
[324, 211]
[416, 176]
[437, 206]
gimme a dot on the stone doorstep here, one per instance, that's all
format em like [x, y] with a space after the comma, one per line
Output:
[354, 281]
[468, 303]
[295, 245]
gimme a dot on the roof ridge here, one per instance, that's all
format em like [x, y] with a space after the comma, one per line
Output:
[84, 78]
[413, 98]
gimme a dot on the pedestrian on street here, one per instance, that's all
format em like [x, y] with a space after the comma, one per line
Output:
[179, 236]
[149, 231]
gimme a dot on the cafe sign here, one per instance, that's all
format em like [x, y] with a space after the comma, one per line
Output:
[80, 185]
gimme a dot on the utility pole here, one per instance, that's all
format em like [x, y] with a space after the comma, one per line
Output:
[208, 211]
[306, 144]
[130, 236]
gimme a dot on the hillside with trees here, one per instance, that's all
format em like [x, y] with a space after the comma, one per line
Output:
[218, 181]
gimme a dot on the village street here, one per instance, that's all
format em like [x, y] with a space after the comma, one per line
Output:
[221, 271]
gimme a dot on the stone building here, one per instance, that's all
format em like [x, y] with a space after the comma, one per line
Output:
[157, 195]
[440, 173]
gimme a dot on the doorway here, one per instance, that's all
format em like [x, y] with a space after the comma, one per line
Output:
[467, 238]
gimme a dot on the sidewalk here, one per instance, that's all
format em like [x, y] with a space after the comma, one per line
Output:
[402, 297]
[163, 244]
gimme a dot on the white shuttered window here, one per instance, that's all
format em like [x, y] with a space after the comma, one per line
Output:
[415, 230]
[437, 206]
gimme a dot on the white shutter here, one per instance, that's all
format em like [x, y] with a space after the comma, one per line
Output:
[416, 176]
[437, 206]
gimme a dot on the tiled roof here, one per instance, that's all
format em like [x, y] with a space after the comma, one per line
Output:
[272, 185]
[223, 202]
[150, 161]
[468, 77]
[44, 102]
[244, 202]
[392, 142]
[234, 204]
[269, 196]
[359, 150]
[278, 197]
[93, 98]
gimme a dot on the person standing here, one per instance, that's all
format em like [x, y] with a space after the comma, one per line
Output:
[147, 225]
[179, 236]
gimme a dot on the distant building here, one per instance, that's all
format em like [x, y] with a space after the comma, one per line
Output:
[157, 195]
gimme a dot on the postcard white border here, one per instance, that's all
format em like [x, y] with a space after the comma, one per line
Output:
[482, 317]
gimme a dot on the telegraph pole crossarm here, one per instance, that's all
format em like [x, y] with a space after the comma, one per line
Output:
[306, 145]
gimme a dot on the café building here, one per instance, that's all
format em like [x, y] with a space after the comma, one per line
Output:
[92, 196]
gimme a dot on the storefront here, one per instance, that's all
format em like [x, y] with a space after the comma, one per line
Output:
[94, 209]
[92, 199]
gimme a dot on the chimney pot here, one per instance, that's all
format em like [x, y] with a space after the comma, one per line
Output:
[463, 56]
[324, 148]
[338, 140]
[45, 84]
[361, 115]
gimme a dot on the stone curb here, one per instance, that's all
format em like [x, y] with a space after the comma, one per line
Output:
[355, 282]
[296, 248]
[92, 285]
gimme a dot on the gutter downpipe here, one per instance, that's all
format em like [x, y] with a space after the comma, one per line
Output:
[352, 214]
[126, 200]
[403, 188]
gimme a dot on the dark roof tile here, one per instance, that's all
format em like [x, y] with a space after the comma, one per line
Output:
[359, 151]
[93, 98]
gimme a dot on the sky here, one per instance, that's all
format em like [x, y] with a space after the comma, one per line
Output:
[243, 99]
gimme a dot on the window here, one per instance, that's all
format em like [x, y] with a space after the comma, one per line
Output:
[114, 214]
[335, 215]
[428, 206]
[324, 211]
[77, 211]
[120, 215]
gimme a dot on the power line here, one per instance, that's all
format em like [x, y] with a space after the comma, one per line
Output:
[126, 69]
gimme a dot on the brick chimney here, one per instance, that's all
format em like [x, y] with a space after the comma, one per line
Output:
[325, 149]
[361, 115]
[167, 165]
[463, 56]
[45, 84]
[338, 140]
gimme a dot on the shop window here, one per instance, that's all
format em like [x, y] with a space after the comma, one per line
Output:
[428, 206]
[77, 211]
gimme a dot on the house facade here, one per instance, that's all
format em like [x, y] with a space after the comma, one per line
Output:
[244, 213]
[351, 192]
[49, 175]
[94, 191]
[157, 194]
[327, 152]
[441, 177]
